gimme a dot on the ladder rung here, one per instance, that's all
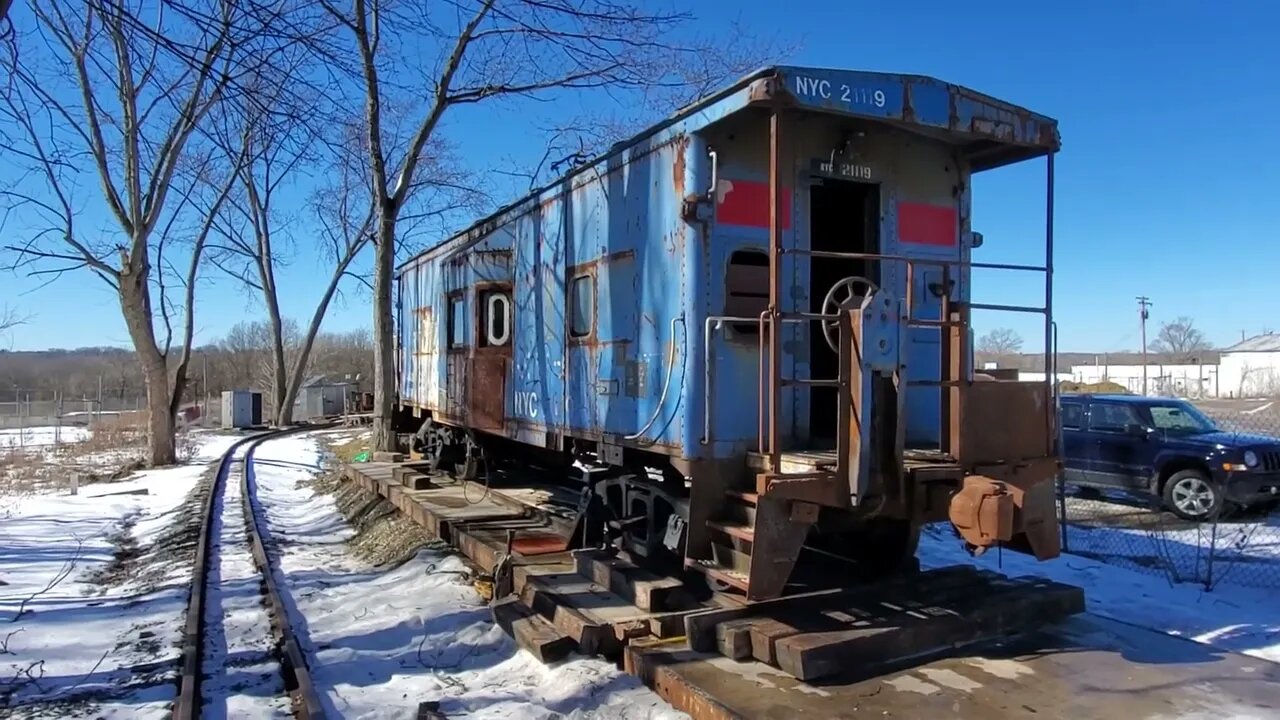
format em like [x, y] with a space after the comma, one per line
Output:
[725, 576]
[810, 381]
[739, 531]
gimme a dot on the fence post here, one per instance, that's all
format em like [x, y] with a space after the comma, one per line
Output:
[1062, 509]
[1213, 550]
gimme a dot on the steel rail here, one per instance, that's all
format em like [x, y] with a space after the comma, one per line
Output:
[304, 699]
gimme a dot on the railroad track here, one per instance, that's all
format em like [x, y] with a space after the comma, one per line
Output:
[232, 555]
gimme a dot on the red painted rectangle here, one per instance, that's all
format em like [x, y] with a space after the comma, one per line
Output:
[745, 202]
[927, 224]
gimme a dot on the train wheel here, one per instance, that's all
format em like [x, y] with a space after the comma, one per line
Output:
[643, 519]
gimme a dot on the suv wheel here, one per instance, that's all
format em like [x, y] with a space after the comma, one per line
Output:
[1191, 495]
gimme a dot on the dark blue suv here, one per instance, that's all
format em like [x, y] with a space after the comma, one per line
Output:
[1166, 448]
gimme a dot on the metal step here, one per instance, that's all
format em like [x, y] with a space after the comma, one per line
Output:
[719, 572]
[741, 532]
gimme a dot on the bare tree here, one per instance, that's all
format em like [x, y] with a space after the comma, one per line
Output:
[266, 127]
[114, 92]
[476, 51]
[10, 318]
[1000, 341]
[1179, 337]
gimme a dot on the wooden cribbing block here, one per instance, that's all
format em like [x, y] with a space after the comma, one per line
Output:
[700, 627]
[646, 590]
[531, 631]
[734, 638]
[995, 610]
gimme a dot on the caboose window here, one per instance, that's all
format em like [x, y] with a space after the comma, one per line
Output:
[582, 305]
[497, 318]
[457, 322]
[747, 288]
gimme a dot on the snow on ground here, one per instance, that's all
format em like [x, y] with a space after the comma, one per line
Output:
[38, 436]
[1240, 619]
[243, 678]
[1128, 530]
[96, 587]
[382, 640]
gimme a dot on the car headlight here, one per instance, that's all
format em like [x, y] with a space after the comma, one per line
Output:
[1250, 458]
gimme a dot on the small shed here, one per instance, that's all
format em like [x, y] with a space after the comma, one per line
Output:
[241, 408]
[325, 396]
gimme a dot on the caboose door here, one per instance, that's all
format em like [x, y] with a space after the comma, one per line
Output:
[487, 367]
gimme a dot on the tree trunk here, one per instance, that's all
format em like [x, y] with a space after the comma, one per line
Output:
[384, 375]
[285, 417]
[279, 379]
[161, 432]
[135, 303]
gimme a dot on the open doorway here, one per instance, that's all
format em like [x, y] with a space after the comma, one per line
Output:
[844, 216]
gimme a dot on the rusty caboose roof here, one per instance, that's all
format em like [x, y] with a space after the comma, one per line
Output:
[989, 132]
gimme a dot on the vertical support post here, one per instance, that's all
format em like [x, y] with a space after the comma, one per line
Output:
[846, 435]
[953, 344]
[1050, 418]
[775, 288]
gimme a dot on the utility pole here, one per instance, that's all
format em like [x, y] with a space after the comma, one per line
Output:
[1143, 303]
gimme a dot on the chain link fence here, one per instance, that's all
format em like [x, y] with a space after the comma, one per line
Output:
[1139, 527]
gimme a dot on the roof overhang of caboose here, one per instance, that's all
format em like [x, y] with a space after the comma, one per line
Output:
[989, 132]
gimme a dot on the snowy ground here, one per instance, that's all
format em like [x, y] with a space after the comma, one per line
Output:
[39, 436]
[95, 591]
[96, 588]
[1245, 620]
[381, 641]
[243, 678]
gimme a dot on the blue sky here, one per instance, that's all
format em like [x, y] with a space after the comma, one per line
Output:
[1166, 185]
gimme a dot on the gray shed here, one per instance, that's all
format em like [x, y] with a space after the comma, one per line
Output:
[324, 396]
[241, 408]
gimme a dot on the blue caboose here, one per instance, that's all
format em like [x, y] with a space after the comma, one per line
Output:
[751, 322]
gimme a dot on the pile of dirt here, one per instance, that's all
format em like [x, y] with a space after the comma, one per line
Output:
[383, 535]
[1106, 387]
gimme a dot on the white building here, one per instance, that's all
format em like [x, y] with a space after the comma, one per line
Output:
[1251, 368]
[1193, 381]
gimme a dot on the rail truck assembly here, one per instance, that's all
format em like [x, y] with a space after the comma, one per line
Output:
[747, 329]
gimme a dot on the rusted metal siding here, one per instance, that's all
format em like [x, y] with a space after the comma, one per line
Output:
[921, 175]
[642, 222]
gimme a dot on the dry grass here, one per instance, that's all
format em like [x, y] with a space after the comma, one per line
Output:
[347, 450]
[113, 451]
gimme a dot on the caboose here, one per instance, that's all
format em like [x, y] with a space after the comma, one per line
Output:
[748, 328]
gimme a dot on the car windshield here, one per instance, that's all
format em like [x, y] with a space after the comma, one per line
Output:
[1182, 418]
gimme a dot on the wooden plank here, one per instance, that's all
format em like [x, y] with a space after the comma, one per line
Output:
[592, 637]
[531, 631]
[418, 481]
[734, 638]
[646, 590]
[1000, 608]
[700, 627]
